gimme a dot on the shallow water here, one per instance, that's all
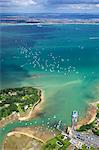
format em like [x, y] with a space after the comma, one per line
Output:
[63, 60]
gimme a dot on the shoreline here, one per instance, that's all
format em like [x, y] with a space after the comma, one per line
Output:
[90, 114]
[32, 113]
[36, 133]
[24, 133]
[89, 117]
[44, 135]
[35, 109]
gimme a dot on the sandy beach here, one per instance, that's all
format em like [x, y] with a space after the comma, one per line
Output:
[35, 109]
[90, 115]
[39, 133]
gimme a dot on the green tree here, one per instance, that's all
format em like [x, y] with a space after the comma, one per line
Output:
[84, 147]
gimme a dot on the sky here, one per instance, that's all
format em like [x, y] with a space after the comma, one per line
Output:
[49, 6]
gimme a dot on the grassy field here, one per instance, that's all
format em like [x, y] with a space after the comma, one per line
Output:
[20, 109]
[57, 143]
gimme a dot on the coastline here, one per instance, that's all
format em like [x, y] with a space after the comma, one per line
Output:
[25, 133]
[44, 135]
[32, 113]
[35, 109]
[36, 133]
[90, 114]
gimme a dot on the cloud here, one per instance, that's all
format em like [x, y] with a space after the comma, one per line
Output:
[50, 5]
[46, 3]
[17, 3]
[97, 5]
[82, 7]
[78, 8]
[23, 2]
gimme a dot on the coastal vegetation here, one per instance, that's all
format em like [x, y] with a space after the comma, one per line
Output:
[92, 126]
[84, 147]
[17, 100]
[86, 127]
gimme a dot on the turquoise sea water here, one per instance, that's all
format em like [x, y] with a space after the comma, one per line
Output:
[63, 58]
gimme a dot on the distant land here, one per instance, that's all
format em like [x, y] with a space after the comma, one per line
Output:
[65, 18]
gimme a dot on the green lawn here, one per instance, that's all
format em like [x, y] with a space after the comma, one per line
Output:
[20, 109]
[52, 144]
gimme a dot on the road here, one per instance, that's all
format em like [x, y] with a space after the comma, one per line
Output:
[86, 138]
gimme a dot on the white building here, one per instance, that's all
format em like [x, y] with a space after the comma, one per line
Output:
[76, 143]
